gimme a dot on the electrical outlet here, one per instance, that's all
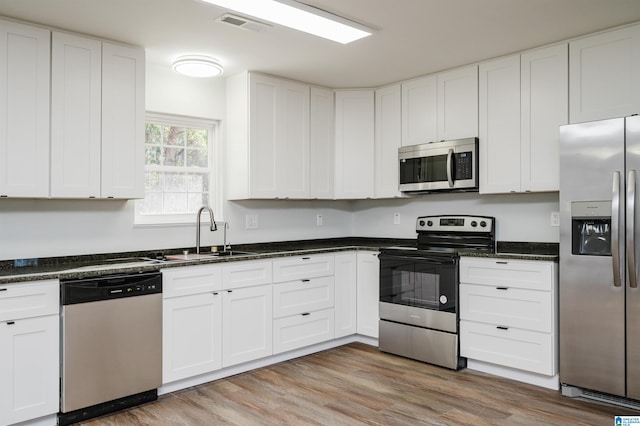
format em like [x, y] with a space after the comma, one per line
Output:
[319, 220]
[555, 218]
[396, 218]
[251, 221]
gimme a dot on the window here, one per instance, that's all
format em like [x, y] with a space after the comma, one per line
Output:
[179, 169]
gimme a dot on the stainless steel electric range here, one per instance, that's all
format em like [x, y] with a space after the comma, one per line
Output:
[419, 315]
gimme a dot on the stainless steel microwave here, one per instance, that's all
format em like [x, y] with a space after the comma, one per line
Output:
[439, 166]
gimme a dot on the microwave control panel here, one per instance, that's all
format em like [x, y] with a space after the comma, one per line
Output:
[464, 165]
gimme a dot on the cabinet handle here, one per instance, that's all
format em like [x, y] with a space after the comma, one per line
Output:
[306, 313]
[305, 280]
[11, 322]
[215, 293]
[229, 291]
[502, 288]
[502, 262]
[4, 289]
[306, 258]
[502, 327]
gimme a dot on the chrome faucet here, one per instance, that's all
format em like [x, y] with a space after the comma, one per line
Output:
[214, 227]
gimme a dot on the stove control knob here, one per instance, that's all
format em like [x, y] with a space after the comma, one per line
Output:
[483, 224]
[421, 223]
[474, 223]
[429, 223]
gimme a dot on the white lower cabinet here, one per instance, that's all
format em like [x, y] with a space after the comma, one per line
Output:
[368, 284]
[346, 296]
[29, 351]
[191, 336]
[508, 313]
[247, 321]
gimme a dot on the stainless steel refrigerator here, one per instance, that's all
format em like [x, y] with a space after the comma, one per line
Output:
[599, 258]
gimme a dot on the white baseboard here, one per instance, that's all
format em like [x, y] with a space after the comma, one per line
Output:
[549, 382]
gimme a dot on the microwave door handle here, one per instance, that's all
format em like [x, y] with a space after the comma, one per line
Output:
[631, 225]
[449, 167]
[615, 228]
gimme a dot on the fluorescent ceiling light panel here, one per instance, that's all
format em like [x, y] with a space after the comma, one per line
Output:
[300, 17]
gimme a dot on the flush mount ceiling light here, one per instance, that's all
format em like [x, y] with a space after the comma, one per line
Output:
[300, 17]
[197, 66]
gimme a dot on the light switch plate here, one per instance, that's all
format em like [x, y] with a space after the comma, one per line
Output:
[396, 218]
[555, 218]
[251, 221]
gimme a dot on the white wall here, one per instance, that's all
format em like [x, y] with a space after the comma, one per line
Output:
[519, 217]
[42, 228]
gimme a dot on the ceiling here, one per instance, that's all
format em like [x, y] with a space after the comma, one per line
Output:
[413, 37]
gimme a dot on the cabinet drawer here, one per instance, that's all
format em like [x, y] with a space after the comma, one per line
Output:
[302, 267]
[300, 296]
[190, 280]
[528, 274]
[28, 300]
[512, 307]
[247, 274]
[302, 330]
[511, 347]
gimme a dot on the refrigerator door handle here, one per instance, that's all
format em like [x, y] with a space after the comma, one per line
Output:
[631, 225]
[615, 228]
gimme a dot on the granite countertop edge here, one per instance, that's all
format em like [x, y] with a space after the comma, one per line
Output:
[66, 267]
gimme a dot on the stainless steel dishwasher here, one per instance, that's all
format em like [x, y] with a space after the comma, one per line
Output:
[111, 344]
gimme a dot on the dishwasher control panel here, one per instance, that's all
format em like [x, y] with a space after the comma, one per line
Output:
[110, 287]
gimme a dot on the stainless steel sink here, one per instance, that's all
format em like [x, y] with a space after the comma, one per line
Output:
[212, 255]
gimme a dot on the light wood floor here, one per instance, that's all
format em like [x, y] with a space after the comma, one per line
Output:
[358, 385]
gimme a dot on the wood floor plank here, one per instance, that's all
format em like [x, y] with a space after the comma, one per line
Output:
[356, 385]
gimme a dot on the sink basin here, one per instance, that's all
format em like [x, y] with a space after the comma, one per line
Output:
[212, 255]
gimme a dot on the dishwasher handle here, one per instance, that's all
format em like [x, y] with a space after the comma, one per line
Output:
[110, 287]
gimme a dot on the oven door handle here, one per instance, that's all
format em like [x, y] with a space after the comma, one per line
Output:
[429, 261]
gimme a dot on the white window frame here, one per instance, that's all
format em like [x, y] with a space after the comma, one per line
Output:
[215, 171]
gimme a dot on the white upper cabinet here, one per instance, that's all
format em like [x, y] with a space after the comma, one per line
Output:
[420, 111]
[388, 128]
[604, 75]
[458, 104]
[544, 108]
[123, 117]
[76, 111]
[354, 144]
[500, 125]
[321, 135]
[24, 110]
[268, 137]
[440, 107]
[523, 101]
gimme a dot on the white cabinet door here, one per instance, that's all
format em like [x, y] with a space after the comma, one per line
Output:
[24, 110]
[191, 335]
[346, 275]
[458, 104]
[420, 111]
[499, 125]
[293, 142]
[354, 144]
[264, 98]
[247, 324]
[123, 117]
[368, 283]
[544, 97]
[76, 86]
[388, 135]
[188, 280]
[604, 74]
[321, 136]
[29, 367]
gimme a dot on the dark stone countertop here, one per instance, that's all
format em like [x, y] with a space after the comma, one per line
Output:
[76, 267]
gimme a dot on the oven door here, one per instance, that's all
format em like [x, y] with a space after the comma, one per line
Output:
[428, 283]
